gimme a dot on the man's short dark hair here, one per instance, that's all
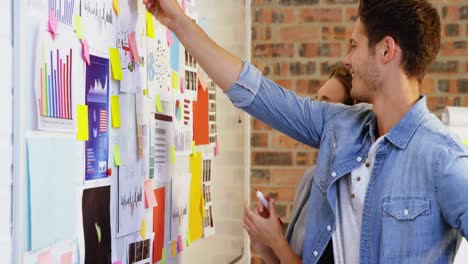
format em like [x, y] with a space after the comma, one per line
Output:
[413, 24]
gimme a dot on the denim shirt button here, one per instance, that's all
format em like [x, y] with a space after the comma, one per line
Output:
[329, 228]
[359, 159]
[315, 253]
[405, 212]
[333, 174]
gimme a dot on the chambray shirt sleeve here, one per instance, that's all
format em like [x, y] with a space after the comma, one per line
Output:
[452, 189]
[298, 117]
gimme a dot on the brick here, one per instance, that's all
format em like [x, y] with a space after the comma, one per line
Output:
[259, 139]
[306, 158]
[298, 33]
[464, 12]
[273, 50]
[454, 12]
[264, 16]
[451, 30]
[259, 125]
[326, 67]
[443, 86]
[465, 102]
[427, 86]
[261, 32]
[299, 2]
[308, 50]
[288, 176]
[259, 176]
[454, 48]
[320, 15]
[436, 103]
[336, 32]
[308, 86]
[272, 158]
[341, 1]
[351, 14]
[284, 15]
[456, 101]
[281, 69]
[262, 2]
[299, 68]
[462, 85]
[444, 67]
[311, 50]
[282, 141]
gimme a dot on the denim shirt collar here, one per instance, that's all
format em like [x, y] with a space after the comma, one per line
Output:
[402, 132]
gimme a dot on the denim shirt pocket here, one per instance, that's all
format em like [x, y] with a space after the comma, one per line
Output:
[406, 226]
[328, 148]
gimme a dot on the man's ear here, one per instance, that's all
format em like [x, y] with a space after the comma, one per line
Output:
[386, 49]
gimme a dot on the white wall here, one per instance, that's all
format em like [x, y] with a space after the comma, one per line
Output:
[6, 115]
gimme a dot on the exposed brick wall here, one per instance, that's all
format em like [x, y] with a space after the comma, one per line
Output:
[295, 42]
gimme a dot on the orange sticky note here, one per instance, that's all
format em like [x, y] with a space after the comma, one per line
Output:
[149, 25]
[66, 258]
[85, 51]
[133, 47]
[115, 110]
[52, 24]
[45, 258]
[173, 249]
[150, 198]
[116, 6]
[115, 64]
[82, 120]
[201, 79]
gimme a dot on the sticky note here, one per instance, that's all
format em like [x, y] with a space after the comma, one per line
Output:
[182, 85]
[149, 25]
[159, 106]
[117, 262]
[163, 256]
[115, 64]
[115, 110]
[175, 80]
[116, 6]
[82, 120]
[170, 39]
[188, 239]
[85, 51]
[117, 157]
[173, 249]
[193, 146]
[216, 149]
[465, 141]
[201, 79]
[78, 26]
[145, 91]
[66, 258]
[45, 258]
[133, 47]
[52, 24]
[150, 198]
[143, 229]
[180, 246]
[173, 158]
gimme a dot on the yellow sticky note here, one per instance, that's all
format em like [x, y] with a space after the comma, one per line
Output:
[175, 80]
[196, 197]
[193, 146]
[82, 120]
[115, 64]
[173, 249]
[145, 91]
[173, 159]
[163, 256]
[116, 6]
[78, 27]
[188, 239]
[117, 157]
[465, 141]
[143, 229]
[149, 25]
[115, 109]
[159, 106]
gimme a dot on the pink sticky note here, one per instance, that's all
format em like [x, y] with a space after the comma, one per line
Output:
[66, 258]
[85, 49]
[133, 47]
[150, 198]
[45, 258]
[180, 246]
[52, 24]
[182, 85]
[117, 262]
[183, 5]
[170, 39]
[216, 149]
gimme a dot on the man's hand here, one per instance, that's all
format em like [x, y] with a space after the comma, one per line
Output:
[168, 12]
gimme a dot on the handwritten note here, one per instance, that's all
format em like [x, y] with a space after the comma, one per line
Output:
[85, 51]
[82, 120]
[115, 64]
[150, 198]
[149, 25]
[78, 26]
[52, 24]
[116, 6]
[45, 258]
[133, 47]
[159, 106]
[117, 156]
[66, 258]
[115, 110]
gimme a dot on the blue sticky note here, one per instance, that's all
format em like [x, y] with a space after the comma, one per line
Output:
[54, 182]
[175, 53]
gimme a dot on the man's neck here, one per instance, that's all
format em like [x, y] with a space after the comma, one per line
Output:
[393, 101]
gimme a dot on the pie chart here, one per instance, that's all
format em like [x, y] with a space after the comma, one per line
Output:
[178, 110]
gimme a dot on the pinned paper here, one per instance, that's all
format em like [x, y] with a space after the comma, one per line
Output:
[115, 110]
[180, 246]
[201, 79]
[196, 196]
[82, 119]
[163, 256]
[149, 25]
[173, 249]
[173, 158]
[216, 149]
[78, 26]
[116, 6]
[159, 107]
[182, 85]
[133, 47]
[170, 39]
[143, 229]
[85, 51]
[115, 63]
[52, 24]
[117, 157]
[66, 258]
[465, 141]
[45, 258]
[150, 198]
[175, 80]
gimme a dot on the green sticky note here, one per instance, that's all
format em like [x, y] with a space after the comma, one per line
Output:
[159, 107]
[115, 64]
[149, 25]
[78, 27]
[163, 256]
[117, 157]
[465, 141]
[173, 154]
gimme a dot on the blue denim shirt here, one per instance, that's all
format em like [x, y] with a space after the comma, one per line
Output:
[417, 199]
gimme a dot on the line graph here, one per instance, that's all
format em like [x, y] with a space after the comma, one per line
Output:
[99, 11]
[64, 10]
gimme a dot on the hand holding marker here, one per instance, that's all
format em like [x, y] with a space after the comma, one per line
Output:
[264, 201]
